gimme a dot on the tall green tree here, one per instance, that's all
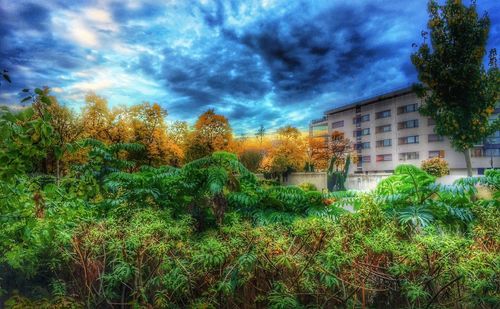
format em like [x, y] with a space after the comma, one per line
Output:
[458, 92]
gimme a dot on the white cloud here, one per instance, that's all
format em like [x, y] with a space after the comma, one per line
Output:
[83, 35]
[100, 18]
[113, 83]
[72, 27]
[89, 27]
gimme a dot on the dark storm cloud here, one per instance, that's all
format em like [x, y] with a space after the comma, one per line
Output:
[219, 73]
[308, 57]
[39, 59]
[35, 16]
[147, 64]
[258, 62]
[31, 17]
[304, 54]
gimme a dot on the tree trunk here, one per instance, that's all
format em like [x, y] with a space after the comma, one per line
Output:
[58, 171]
[468, 162]
[219, 203]
[198, 215]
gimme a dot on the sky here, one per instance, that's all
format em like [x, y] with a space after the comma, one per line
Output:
[269, 62]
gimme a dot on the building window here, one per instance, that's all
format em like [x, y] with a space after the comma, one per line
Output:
[435, 138]
[382, 129]
[361, 132]
[408, 140]
[384, 157]
[365, 145]
[436, 154]
[477, 152]
[360, 119]
[384, 143]
[338, 124]
[431, 122]
[408, 124]
[408, 156]
[366, 159]
[383, 114]
[408, 108]
[493, 152]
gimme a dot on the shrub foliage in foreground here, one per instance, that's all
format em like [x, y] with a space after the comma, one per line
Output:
[210, 234]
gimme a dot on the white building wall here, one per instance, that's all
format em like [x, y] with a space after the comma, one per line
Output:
[455, 160]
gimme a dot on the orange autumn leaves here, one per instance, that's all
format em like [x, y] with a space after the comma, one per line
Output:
[211, 132]
[178, 143]
[290, 150]
[143, 123]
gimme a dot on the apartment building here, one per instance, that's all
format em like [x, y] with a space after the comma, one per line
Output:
[387, 130]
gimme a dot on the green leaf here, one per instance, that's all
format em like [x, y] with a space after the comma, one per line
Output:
[58, 152]
[46, 100]
[25, 99]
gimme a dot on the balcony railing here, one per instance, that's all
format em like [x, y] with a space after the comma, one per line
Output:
[318, 120]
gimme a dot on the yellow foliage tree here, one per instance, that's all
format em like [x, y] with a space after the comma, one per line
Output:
[149, 129]
[97, 118]
[120, 130]
[178, 132]
[318, 154]
[212, 132]
[287, 154]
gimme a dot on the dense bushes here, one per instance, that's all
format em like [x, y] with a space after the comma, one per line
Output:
[363, 258]
[210, 234]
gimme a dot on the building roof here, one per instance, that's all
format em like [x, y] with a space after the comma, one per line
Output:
[373, 99]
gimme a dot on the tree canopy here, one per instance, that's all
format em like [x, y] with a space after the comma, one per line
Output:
[458, 92]
[211, 133]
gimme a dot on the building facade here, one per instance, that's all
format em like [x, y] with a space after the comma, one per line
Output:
[387, 130]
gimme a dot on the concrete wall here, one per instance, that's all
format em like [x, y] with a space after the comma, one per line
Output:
[364, 182]
[317, 179]
[353, 182]
[360, 182]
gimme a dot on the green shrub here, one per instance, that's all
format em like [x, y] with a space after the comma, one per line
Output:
[136, 241]
[307, 186]
[251, 159]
